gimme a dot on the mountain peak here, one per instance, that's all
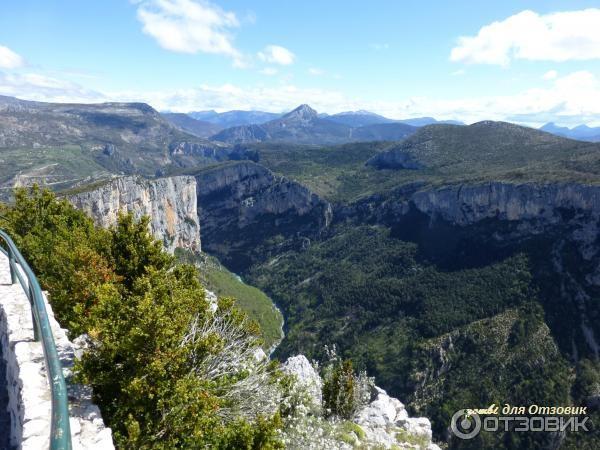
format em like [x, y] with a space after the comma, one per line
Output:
[303, 112]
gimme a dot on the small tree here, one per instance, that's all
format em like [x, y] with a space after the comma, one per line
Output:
[338, 390]
[344, 391]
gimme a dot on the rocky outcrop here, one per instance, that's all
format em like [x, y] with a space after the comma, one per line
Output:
[185, 148]
[244, 206]
[382, 423]
[386, 423]
[170, 203]
[306, 375]
[543, 203]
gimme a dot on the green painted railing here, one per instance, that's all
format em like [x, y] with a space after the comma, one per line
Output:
[60, 435]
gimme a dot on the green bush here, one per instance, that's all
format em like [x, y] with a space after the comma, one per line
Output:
[338, 390]
[137, 306]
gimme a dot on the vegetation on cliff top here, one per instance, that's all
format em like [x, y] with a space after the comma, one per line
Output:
[254, 302]
[448, 154]
[166, 371]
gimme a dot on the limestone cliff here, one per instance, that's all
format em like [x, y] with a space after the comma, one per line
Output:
[169, 202]
[242, 205]
[560, 219]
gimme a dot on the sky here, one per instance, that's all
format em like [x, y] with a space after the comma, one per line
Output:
[529, 62]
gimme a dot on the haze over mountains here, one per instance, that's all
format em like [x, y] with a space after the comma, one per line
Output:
[580, 132]
[234, 118]
[193, 126]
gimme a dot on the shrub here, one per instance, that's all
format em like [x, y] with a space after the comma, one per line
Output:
[166, 372]
[344, 391]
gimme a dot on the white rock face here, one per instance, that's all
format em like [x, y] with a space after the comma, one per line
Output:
[27, 382]
[306, 375]
[386, 423]
[212, 300]
[171, 204]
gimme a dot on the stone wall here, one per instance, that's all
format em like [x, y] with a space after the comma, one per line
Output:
[26, 383]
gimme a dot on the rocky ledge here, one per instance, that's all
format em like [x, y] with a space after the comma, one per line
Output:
[382, 423]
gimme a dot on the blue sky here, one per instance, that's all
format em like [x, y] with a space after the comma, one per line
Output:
[530, 62]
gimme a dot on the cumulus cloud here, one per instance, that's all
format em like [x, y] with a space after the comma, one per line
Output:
[276, 54]
[9, 59]
[560, 36]
[189, 26]
[550, 75]
[315, 71]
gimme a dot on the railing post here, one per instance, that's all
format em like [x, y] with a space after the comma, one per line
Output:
[12, 265]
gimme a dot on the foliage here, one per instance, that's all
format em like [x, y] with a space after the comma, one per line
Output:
[338, 390]
[166, 371]
[344, 391]
[251, 300]
[389, 308]
[449, 154]
[71, 257]
[486, 363]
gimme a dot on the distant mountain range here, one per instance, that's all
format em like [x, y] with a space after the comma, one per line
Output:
[362, 118]
[359, 118]
[581, 132]
[304, 125]
[234, 118]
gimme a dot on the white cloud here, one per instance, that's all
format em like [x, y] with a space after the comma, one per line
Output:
[458, 73]
[276, 54]
[571, 99]
[270, 71]
[561, 36]
[315, 71]
[189, 26]
[550, 75]
[567, 100]
[276, 97]
[9, 59]
[34, 86]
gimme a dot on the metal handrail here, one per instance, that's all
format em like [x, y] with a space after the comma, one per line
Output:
[60, 434]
